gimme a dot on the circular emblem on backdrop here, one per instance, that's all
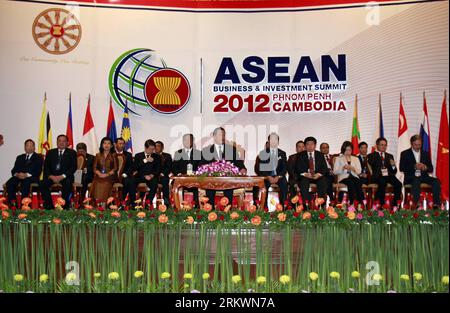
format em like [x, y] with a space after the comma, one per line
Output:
[56, 31]
[167, 90]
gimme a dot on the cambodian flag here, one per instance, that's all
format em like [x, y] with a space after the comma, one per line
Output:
[69, 130]
[425, 129]
[111, 126]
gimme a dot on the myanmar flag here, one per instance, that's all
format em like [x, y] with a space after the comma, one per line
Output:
[355, 128]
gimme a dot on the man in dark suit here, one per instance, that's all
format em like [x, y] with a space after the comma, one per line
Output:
[416, 166]
[166, 170]
[293, 179]
[147, 167]
[88, 170]
[362, 157]
[187, 160]
[329, 175]
[26, 170]
[311, 168]
[383, 171]
[273, 166]
[127, 172]
[59, 166]
[219, 150]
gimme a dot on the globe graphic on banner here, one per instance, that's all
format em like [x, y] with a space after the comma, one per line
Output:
[128, 75]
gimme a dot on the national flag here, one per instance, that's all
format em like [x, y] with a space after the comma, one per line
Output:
[425, 129]
[442, 159]
[45, 130]
[403, 142]
[355, 128]
[126, 130]
[379, 127]
[111, 126]
[69, 130]
[89, 136]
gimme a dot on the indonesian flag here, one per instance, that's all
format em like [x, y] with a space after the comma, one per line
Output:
[442, 153]
[403, 138]
[355, 128]
[89, 137]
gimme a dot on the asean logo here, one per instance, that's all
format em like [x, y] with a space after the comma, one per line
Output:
[140, 79]
[56, 31]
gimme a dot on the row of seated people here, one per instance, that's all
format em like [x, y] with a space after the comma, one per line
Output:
[154, 167]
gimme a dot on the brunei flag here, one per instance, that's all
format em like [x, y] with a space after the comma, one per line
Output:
[126, 130]
[45, 130]
[355, 128]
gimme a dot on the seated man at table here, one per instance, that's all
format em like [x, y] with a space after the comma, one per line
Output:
[273, 166]
[219, 150]
[186, 161]
[147, 167]
[26, 170]
[59, 168]
[417, 167]
[362, 157]
[127, 172]
[310, 168]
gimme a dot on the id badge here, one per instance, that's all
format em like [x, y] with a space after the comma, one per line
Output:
[384, 172]
[418, 173]
[58, 166]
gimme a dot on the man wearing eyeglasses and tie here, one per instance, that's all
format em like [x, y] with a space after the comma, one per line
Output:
[26, 170]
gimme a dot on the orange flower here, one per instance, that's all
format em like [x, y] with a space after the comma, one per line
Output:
[87, 200]
[251, 209]
[306, 216]
[212, 216]
[92, 214]
[189, 220]
[5, 215]
[281, 217]
[256, 220]
[204, 199]
[234, 215]
[227, 208]
[207, 207]
[141, 214]
[22, 216]
[339, 205]
[162, 208]
[26, 201]
[88, 207]
[60, 201]
[163, 218]
[2, 199]
[299, 208]
[330, 209]
[319, 201]
[351, 215]
[25, 208]
[115, 214]
[113, 207]
[333, 215]
[295, 200]
[186, 207]
[57, 220]
[279, 207]
[224, 201]
[3, 206]
[110, 200]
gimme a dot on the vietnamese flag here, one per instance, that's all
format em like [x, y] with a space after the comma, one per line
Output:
[355, 128]
[442, 153]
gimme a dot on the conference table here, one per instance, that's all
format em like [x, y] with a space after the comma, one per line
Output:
[217, 183]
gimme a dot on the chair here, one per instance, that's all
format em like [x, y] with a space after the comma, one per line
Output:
[78, 187]
[118, 186]
[424, 188]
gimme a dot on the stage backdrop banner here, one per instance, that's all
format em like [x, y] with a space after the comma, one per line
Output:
[189, 66]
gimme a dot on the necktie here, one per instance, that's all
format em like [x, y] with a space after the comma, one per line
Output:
[382, 160]
[311, 163]
[274, 162]
[27, 158]
[220, 153]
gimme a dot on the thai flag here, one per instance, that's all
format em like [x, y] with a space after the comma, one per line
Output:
[425, 129]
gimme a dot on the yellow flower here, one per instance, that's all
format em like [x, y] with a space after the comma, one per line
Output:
[187, 276]
[71, 277]
[43, 278]
[236, 279]
[285, 279]
[261, 280]
[113, 276]
[97, 275]
[205, 276]
[417, 276]
[351, 215]
[445, 280]
[313, 276]
[18, 277]
[404, 277]
[138, 274]
[165, 275]
[356, 274]
[186, 286]
[335, 275]
[377, 277]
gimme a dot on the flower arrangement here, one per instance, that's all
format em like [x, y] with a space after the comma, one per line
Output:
[220, 168]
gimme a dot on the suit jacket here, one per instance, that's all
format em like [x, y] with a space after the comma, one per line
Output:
[68, 164]
[408, 162]
[33, 166]
[89, 176]
[209, 154]
[375, 162]
[149, 168]
[291, 168]
[265, 168]
[128, 167]
[166, 164]
[181, 161]
[302, 163]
